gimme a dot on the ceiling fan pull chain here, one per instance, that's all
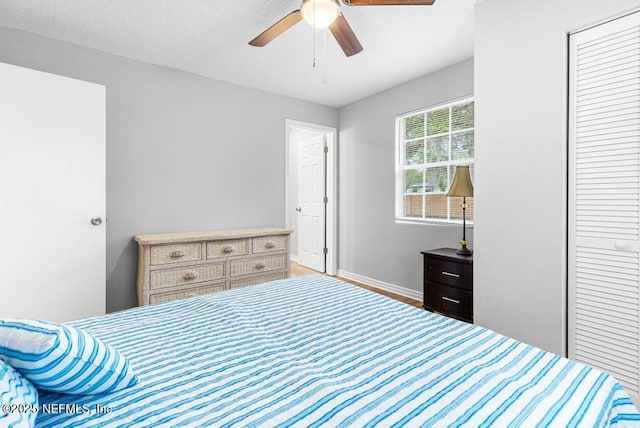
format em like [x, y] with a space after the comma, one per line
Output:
[314, 33]
[314, 48]
[324, 53]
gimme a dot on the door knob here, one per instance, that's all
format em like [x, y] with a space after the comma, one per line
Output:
[299, 209]
[96, 221]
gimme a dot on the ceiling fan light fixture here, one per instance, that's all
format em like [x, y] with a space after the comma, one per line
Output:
[320, 13]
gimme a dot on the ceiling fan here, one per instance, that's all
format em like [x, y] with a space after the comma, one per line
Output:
[326, 13]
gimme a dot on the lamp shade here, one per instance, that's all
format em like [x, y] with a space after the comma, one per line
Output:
[461, 185]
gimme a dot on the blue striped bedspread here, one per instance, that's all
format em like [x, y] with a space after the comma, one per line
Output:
[317, 352]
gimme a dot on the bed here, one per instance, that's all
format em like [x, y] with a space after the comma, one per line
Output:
[315, 351]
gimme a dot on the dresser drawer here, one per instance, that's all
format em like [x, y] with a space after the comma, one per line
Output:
[166, 254]
[237, 247]
[188, 275]
[270, 243]
[450, 301]
[257, 279]
[449, 273]
[258, 264]
[192, 292]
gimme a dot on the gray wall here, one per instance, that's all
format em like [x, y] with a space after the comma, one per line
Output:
[520, 212]
[371, 243]
[184, 152]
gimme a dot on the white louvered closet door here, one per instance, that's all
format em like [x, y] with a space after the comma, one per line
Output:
[604, 200]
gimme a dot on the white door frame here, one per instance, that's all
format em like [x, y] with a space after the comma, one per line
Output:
[331, 265]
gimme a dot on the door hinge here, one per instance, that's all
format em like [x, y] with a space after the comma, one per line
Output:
[326, 149]
[326, 199]
[326, 250]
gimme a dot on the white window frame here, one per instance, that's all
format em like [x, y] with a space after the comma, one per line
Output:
[400, 167]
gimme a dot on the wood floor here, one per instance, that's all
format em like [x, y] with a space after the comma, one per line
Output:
[297, 270]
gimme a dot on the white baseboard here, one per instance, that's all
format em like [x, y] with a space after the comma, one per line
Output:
[392, 288]
[293, 258]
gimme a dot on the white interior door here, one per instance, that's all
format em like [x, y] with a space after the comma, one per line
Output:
[52, 183]
[311, 203]
[604, 200]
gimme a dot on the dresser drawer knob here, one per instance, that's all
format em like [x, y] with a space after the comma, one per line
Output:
[228, 249]
[451, 300]
[455, 275]
[260, 265]
[189, 275]
[177, 254]
[269, 245]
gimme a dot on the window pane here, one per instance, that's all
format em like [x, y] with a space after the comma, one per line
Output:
[438, 149]
[413, 205]
[462, 116]
[436, 205]
[414, 126]
[436, 180]
[413, 181]
[414, 152]
[462, 145]
[438, 121]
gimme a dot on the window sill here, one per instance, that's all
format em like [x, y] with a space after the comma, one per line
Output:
[433, 222]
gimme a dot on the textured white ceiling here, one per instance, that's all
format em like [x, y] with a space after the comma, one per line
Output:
[210, 38]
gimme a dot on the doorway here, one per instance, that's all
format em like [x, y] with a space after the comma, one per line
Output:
[311, 208]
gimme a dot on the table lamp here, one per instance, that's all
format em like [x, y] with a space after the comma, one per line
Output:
[462, 187]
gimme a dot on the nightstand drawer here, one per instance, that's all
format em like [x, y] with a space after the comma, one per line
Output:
[449, 301]
[449, 273]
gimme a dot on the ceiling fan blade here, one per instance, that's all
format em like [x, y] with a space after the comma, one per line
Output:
[345, 36]
[388, 2]
[276, 29]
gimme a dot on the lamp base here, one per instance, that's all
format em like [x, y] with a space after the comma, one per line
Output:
[464, 251]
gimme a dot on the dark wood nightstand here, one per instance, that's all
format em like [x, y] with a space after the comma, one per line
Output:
[448, 283]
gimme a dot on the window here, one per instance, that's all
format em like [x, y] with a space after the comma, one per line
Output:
[429, 145]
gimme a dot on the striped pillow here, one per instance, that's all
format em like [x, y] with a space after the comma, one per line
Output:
[18, 399]
[62, 358]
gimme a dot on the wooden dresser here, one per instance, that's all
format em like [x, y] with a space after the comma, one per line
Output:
[177, 265]
[448, 283]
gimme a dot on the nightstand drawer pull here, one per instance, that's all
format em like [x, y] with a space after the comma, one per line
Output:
[455, 275]
[260, 265]
[451, 300]
[177, 254]
[228, 249]
[189, 275]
